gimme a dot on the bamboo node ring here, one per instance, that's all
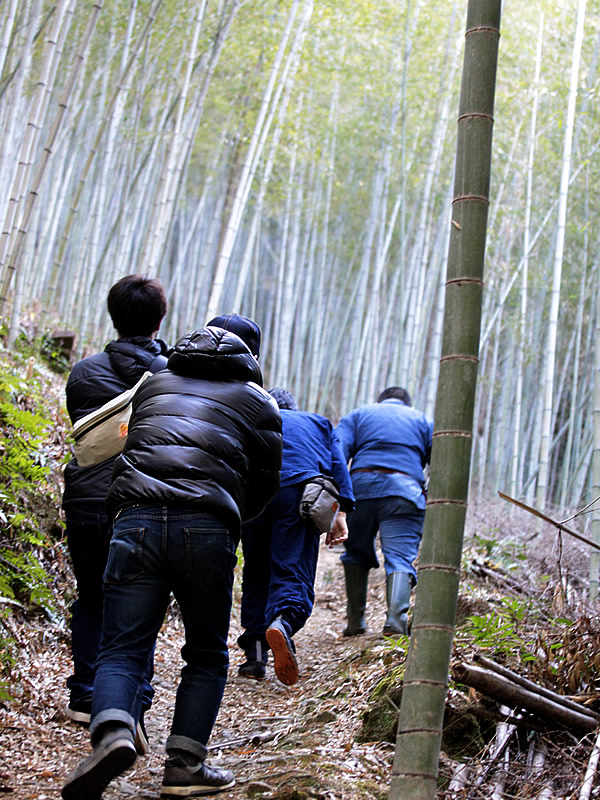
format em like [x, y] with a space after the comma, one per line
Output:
[480, 198]
[426, 775]
[424, 682]
[483, 29]
[442, 567]
[420, 730]
[460, 357]
[475, 115]
[461, 280]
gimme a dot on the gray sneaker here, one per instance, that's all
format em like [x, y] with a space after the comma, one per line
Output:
[185, 780]
[112, 755]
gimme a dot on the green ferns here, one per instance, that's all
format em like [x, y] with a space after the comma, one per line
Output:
[28, 500]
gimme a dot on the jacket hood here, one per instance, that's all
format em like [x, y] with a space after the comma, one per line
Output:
[216, 354]
[131, 356]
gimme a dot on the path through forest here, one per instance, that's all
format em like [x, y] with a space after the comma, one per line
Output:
[281, 742]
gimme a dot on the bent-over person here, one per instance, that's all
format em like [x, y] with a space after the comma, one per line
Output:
[202, 455]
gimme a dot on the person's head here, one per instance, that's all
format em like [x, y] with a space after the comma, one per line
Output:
[245, 328]
[136, 305]
[395, 393]
[283, 398]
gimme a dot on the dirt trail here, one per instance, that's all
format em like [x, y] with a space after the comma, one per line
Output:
[285, 742]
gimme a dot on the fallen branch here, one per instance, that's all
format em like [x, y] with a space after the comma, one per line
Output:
[534, 687]
[254, 738]
[508, 692]
[497, 576]
[556, 524]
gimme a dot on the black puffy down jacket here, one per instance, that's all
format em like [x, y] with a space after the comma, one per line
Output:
[202, 434]
[94, 381]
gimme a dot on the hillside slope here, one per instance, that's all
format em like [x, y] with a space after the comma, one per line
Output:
[331, 736]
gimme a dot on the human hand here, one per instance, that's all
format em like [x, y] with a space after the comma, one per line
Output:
[338, 532]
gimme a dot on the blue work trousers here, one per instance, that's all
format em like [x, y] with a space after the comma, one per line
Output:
[400, 525]
[281, 551]
[155, 551]
[88, 539]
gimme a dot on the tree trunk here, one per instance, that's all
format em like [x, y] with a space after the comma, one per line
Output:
[415, 768]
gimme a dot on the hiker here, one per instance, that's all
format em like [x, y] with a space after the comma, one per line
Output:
[281, 548]
[136, 305]
[203, 454]
[389, 445]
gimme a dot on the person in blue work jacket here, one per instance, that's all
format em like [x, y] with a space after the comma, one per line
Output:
[389, 446]
[281, 548]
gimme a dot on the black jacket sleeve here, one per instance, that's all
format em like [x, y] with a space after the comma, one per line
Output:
[264, 461]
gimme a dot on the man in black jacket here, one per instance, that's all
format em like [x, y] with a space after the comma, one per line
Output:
[202, 455]
[136, 306]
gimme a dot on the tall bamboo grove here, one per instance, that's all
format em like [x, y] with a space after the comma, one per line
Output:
[414, 774]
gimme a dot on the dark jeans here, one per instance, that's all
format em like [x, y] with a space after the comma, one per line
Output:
[400, 525]
[88, 540]
[281, 551]
[155, 551]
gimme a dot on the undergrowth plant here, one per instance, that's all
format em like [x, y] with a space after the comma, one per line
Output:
[28, 499]
[505, 631]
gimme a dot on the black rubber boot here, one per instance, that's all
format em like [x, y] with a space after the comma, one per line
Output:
[398, 587]
[357, 580]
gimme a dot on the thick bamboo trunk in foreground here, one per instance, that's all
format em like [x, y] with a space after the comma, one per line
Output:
[415, 769]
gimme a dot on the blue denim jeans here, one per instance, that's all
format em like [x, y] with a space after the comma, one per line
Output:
[88, 540]
[400, 525]
[155, 551]
[281, 551]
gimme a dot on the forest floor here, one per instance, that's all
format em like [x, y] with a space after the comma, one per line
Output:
[331, 736]
[286, 742]
[309, 740]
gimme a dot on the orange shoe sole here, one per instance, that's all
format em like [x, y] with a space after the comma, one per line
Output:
[286, 666]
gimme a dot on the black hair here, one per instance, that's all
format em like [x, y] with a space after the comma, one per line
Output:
[395, 393]
[283, 398]
[136, 305]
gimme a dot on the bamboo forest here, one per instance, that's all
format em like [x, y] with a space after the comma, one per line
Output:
[401, 194]
[293, 161]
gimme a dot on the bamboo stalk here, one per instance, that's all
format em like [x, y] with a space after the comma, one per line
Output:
[415, 766]
[249, 168]
[549, 380]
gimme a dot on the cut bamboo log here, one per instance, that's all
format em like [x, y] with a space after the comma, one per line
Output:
[547, 792]
[500, 782]
[527, 684]
[459, 780]
[504, 734]
[506, 691]
[588, 781]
